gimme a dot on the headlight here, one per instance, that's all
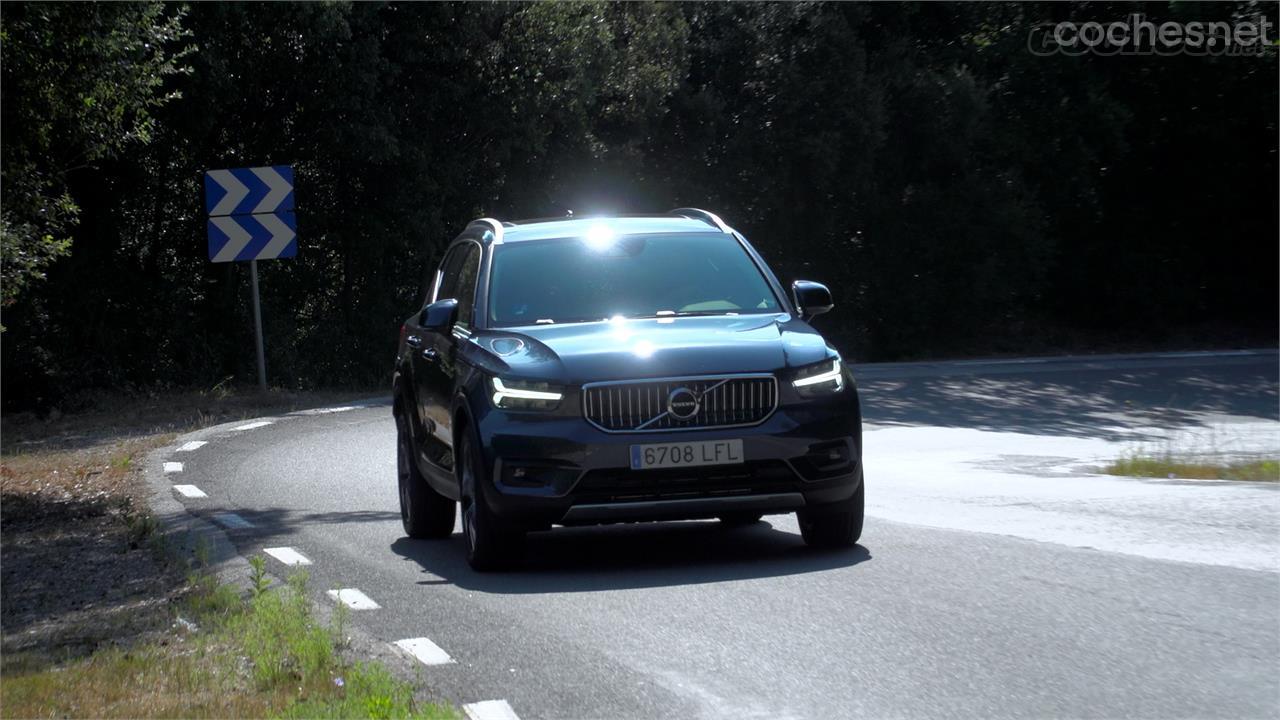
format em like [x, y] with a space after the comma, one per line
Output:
[823, 378]
[523, 395]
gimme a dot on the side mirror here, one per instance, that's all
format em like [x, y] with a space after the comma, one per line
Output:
[439, 316]
[812, 298]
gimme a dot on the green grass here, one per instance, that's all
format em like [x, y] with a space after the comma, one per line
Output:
[1171, 467]
[370, 692]
[282, 640]
[262, 656]
[210, 602]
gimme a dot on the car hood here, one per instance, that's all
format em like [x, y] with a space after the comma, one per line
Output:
[666, 347]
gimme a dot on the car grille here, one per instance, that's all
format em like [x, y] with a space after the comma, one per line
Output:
[641, 406]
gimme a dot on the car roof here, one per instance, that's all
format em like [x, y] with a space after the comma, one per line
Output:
[548, 228]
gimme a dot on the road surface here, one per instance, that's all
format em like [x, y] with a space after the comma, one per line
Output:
[999, 575]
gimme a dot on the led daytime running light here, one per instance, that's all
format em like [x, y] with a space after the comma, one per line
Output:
[502, 391]
[828, 376]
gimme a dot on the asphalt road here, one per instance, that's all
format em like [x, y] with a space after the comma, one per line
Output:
[986, 615]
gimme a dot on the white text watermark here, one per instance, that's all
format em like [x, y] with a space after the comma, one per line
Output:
[1136, 35]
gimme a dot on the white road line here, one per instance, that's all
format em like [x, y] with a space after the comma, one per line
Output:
[427, 652]
[287, 555]
[231, 520]
[324, 411]
[190, 490]
[172, 467]
[354, 599]
[490, 710]
[252, 425]
[193, 445]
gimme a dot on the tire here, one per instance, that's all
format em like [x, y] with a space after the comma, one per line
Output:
[838, 525]
[424, 512]
[490, 544]
[740, 519]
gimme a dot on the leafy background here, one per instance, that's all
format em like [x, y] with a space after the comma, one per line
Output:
[960, 194]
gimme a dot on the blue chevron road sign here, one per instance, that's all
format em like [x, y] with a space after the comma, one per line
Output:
[251, 213]
[268, 236]
[251, 218]
[242, 191]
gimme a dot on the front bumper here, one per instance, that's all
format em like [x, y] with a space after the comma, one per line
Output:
[682, 508]
[562, 470]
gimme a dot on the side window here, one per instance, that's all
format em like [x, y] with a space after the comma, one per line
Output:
[448, 283]
[466, 288]
[458, 280]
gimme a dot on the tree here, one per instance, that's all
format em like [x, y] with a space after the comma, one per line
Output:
[959, 193]
[80, 83]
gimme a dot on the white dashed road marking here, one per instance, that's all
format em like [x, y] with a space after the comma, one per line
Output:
[287, 555]
[193, 445]
[172, 467]
[252, 425]
[427, 652]
[354, 599]
[231, 520]
[189, 490]
[490, 710]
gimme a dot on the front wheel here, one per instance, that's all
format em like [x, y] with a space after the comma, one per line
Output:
[424, 512]
[490, 544]
[836, 525]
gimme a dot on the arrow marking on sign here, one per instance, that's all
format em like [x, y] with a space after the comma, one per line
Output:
[237, 236]
[281, 234]
[236, 191]
[279, 189]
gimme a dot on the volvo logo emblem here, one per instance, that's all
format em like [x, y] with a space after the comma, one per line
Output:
[682, 403]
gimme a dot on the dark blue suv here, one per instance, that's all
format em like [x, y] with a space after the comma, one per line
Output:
[620, 369]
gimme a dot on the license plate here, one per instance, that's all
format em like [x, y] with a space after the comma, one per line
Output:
[686, 454]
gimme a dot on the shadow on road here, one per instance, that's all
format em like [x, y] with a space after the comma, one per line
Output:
[580, 559]
[631, 556]
[327, 518]
[1106, 403]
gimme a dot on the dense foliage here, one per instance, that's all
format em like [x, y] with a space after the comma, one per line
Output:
[959, 193]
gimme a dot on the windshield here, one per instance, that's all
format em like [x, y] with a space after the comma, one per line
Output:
[584, 279]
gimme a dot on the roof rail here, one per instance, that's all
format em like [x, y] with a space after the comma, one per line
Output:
[696, 214]
[492, 225]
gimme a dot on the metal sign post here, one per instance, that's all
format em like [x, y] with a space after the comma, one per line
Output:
[251, 218]
[257, 327]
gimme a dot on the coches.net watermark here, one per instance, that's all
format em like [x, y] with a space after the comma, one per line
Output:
[1136, 35]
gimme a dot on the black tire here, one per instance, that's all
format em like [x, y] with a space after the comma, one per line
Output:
[740, 519]
[837, 525]
[490, 544]
[424, 512]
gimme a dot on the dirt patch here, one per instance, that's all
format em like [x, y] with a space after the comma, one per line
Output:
[77, 568]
